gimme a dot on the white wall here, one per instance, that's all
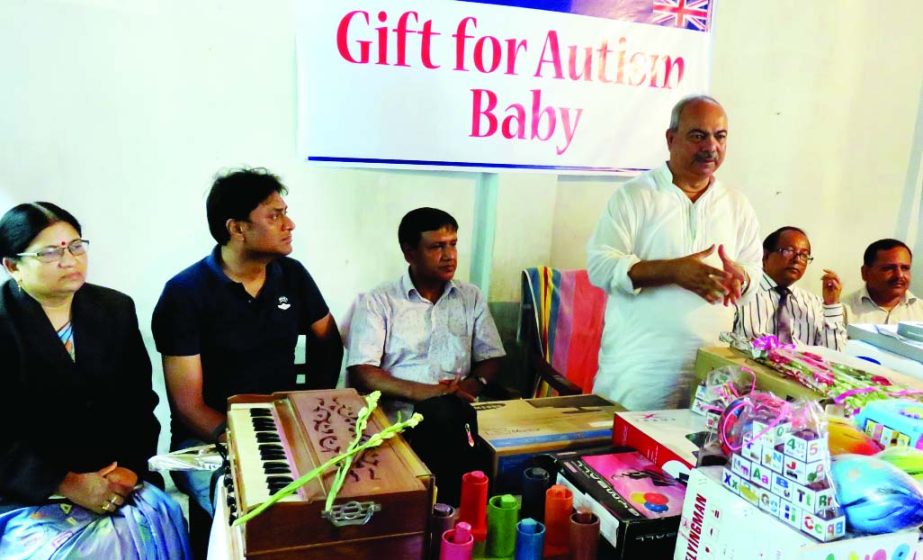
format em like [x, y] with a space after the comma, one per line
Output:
[123, 110]
[823, 108]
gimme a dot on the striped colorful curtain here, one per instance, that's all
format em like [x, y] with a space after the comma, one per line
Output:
[569, 320]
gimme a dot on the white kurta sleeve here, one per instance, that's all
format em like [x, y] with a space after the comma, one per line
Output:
[610, 249]
[750, 254]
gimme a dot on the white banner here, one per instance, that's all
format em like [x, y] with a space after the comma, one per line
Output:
[475, 86]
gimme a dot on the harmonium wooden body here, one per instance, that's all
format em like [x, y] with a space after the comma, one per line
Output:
[381, 511]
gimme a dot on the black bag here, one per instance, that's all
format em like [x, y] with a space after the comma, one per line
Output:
[447, 441]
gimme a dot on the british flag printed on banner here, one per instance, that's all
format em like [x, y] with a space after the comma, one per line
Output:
[686, 14]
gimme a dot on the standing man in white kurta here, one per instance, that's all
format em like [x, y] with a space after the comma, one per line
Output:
[675, 249]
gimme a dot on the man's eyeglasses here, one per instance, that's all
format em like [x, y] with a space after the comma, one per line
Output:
[790, 252]
[49, 255]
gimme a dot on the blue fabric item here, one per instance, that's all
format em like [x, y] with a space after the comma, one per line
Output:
[876, 496]
[149, 526]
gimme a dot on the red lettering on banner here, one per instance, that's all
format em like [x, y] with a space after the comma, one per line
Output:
[479, 54]
[460, 35]
[620, 75]
[382, 40]
[512, 49]
[426, 48]
[342, 43]
[396, 41]
[669, 63]
[551, 42]
[545, 121]
[603, 52]
[480, 110]
[356, 38]
[572, 64]
[638, 74]
[401, 33]
[488, 50]
[538, 112]
[653, 70]
[426, 34]
[518, 118]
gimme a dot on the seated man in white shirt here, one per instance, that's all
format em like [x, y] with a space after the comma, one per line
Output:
[885, 298]
[428, 342]
[787, 311]
[425, 334]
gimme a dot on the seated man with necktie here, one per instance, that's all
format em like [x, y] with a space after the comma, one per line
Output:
[787, 311]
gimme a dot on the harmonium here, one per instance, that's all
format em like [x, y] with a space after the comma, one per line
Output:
[381, 511]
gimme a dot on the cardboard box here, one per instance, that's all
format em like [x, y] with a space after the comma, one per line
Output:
[637, 503]
[517, 430]
[718, 525]
[669, 438]
[887, 338]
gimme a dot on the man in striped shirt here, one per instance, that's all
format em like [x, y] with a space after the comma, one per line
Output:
[787, 311]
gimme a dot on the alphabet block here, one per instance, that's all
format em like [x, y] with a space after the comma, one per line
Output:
[740, 466]
[730, 480]
[790, 514]
[772, 459]
[804, 473]
[824, 526]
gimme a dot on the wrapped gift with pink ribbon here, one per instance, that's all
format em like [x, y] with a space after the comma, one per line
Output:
[842, 384]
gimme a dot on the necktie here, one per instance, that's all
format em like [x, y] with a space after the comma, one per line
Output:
[783, 317]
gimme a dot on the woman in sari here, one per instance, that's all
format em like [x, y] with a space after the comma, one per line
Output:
[76, 406]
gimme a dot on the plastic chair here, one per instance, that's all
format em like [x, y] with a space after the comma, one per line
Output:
[560, 326]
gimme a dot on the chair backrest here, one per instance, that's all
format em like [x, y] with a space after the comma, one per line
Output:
[565, 312]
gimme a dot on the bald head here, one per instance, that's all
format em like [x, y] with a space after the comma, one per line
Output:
[697, 141]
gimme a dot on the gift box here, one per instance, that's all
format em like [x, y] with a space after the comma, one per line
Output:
[893, 422]
[637, 503]
[717, 525]
[669, 438]
[767, 379]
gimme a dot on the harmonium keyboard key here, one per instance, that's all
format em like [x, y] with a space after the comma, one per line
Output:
[260, 453]
[276, 467]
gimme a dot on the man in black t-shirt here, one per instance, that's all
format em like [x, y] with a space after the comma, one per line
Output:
[229, 323]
